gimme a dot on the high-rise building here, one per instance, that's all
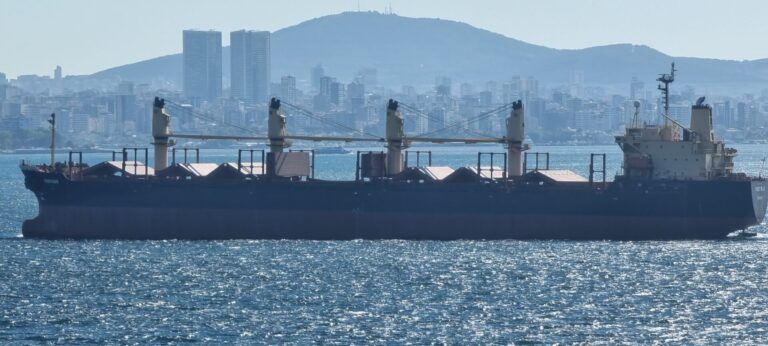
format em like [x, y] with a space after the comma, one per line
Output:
[356, 95]
[202, 64]
[125, 88]
[58, 83]
[3, 88]
[288, 89]
[318, 72]
[635, 89]
[125, 112]
[466, 89]
[338, 93]
[367, 76]
[324, 99]
[250, 65]
[325, 86]
[443, 86]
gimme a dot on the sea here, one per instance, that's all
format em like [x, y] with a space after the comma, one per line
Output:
[380, 292]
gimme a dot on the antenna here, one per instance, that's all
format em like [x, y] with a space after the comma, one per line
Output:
[666, 79]
[52, 121]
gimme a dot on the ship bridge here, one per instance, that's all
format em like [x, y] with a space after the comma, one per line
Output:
[672, 151]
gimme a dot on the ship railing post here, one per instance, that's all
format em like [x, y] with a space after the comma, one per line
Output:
[250, 170]
[146, 163]
[263, 163]
[125, 157]
[135, 161]
[604, 169]
[72, 168]
[69, 165]
[491, 165]
[357, 166]
[80, 164]
[407, 152]
[479, 172]
[239, 160]
[504, 172]
[525, 163]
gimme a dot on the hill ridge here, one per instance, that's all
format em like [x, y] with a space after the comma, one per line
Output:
[414, 51]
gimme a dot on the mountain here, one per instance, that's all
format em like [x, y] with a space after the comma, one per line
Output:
[416, 50]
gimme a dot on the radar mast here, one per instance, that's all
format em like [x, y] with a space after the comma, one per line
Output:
[665, 80]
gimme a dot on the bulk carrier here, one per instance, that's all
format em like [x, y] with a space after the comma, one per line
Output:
[677, 183]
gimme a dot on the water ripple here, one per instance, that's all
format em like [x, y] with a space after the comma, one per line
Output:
[383, 291]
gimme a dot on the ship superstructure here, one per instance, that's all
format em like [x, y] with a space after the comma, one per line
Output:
[678, 183]
[660, 152]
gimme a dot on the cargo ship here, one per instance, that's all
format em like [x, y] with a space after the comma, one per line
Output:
[677, 182]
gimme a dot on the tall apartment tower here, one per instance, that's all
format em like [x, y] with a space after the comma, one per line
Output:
[250, 65]
[288, 89]
[202, 64]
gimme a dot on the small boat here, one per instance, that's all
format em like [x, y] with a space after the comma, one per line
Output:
[332, 150]
[746, 234]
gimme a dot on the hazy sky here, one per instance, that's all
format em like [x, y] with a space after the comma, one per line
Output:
[85, 36]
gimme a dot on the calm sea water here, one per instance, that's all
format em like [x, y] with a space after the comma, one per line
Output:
[299, 292]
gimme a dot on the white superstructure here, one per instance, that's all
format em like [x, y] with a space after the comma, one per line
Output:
[658, 152]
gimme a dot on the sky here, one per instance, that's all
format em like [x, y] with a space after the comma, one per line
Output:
[86, 36]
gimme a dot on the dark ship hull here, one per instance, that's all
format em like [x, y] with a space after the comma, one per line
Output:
[268, 209]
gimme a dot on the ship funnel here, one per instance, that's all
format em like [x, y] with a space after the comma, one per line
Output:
[161, 130]
[276, 127]
[395, 140]
[515, 138]
[701, 121]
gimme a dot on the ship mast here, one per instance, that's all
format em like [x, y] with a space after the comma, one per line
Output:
[665, 80]
[635, 118]
[394, 137]
[276, 128]
[161, 130]
[514, 139]
[52, 121]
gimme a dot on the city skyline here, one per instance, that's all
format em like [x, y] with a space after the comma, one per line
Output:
[47, 27]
